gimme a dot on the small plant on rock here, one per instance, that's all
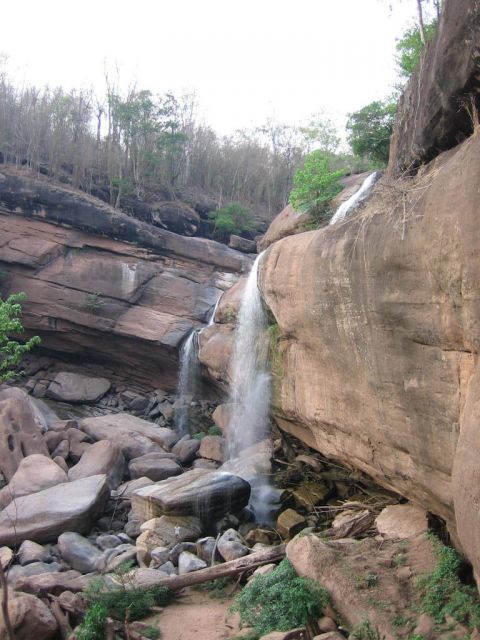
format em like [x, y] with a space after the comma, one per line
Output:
[93, 303]
[280, 601]
[367, 631]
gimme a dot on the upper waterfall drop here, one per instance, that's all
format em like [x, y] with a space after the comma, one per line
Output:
[250, 386]
[359, 196]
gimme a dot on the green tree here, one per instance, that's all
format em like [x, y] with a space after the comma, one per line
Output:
[12, 351]
[316, 184]
[410, 45]
[233, 218]
[369, 130]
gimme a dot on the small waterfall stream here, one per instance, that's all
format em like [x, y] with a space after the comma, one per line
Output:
[359, 196]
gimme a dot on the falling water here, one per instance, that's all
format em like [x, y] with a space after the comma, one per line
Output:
[250, 387]
[188, 376]
[250, 400]
[359, 196]
[186, 382]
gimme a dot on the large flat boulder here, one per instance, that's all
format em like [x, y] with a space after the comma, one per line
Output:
[73, 387]
[134, 436]
[43, 516]
[199, 492]
[102, 457]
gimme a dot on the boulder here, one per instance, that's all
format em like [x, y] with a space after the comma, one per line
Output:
[35, 473]
[108, 541]
[126, 489]
[289, 523]
[44, 583]
[33, 552]
[288, 222]
[206, 494]
[20, 435]
[399, 521]
[179, 548]
[175, 216]
[42, 414]
[17, 573]
[213, 448]
[79, 553]
[188, 562]
[221, 416]
[29, 617]
[215, 351]
[6, 555]
[186, 449]
[205, 549]
[242, 244]
[134, 436]
[165, 531]
[232, 546]
[115, 558]
[43, 516]
[229, 304]
[102, 457]
[73, 387]
[155, 466]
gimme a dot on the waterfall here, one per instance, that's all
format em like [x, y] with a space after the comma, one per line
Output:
[187, 378]
[188, 375]
[250, 402]
[250, 386]
[359, 196]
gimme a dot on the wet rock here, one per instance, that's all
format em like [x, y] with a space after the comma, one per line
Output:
[213, 448]
[186, 450]
[208, 494]
[134, 436]
[33, 552]
[35, 473]
[154, 466]
[231, 545]
[399, 521]
[17, 572]
[188, 562]
[73, 387]
[20, 435]
[126, 489]
[102, 457]
[79, 553]
[43, 516]
[166, 531]
[205, 549]
[289, 523]
[221, 415]
[29, 617]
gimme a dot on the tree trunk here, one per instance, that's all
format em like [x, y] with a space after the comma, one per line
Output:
[421, 26]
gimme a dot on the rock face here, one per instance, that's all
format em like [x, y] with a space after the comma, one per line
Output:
[379, 322]
[43, 516]
[429, 116]
[104, 286]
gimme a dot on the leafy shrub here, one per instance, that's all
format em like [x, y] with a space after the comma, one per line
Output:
[199, 435]
[11, 351]
[366, 631]
[280, 601]
[316, 184]
[233, 218]
[215, 431]
[409, 47]
[93, 625]
[445, 594]
[369, 130]
[93, 303]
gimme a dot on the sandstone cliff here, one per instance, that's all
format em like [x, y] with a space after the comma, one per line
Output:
[102, 286]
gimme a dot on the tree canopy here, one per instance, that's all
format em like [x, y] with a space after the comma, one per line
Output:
[410, 45]
[369, 130]
[12, 351]
[316, 184]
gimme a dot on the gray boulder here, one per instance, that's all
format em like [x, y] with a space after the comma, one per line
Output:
[188, 562]
[231, 545]
[33, 552]
[102, 457]
[155, 466]
[30, 618]
[35, 473]
[17, 572]
[73, 387]
[79, 553]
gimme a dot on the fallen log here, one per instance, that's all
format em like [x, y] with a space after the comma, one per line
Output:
[231, 568]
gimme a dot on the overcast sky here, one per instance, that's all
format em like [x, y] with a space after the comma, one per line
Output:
[247, 61]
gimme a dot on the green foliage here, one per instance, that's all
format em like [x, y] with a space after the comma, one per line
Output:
[371, 580]
[274, 333]
[409, 47]
[280, 601]
[122, 602]
[316, 184]
[93, 625]
[369, 130]
[199, 435]
[215, 431]
[221, 588]
[233, 218]
[11, 351]
[93, 303]
[152, 633]
[366, 631]
[445, 594]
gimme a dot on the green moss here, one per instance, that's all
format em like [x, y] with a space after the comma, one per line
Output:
[445, 594]
[366, 631]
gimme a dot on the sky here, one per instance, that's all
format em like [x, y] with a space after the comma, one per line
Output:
[246, 61]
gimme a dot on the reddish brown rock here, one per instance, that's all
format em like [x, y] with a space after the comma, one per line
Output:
[102, 457]
[216, 347]
[29, 617]
[73, 387]
[35, 473]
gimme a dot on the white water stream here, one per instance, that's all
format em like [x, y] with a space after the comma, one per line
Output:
[347, 207]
